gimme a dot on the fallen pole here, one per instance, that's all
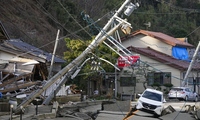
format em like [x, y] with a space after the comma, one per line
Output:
[66, 69]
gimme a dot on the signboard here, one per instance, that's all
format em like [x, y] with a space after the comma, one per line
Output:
[124, 62]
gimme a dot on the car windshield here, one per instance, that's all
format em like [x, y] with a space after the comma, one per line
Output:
[152, 96]
[176, 89]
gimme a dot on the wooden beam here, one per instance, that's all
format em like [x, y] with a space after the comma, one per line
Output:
[13, 79]
[18, 87]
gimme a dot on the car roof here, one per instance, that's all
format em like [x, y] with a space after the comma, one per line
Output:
[153, 90]
[181, 87]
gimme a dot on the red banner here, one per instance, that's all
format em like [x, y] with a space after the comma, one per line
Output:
[124, 62]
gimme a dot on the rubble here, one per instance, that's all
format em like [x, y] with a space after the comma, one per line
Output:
[73, 90]
[86, 110]
[168, 110]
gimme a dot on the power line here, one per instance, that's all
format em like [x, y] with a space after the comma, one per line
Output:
[159, 13]
[56, 21]
[193, 31]
[179, 8]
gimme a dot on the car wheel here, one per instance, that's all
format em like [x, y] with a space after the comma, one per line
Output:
[186, 98]
[196, 99]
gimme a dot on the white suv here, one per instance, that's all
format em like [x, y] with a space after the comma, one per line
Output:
[151, 101]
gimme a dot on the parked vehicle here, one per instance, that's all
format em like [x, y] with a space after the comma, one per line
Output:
[183, 93]
[151, 101]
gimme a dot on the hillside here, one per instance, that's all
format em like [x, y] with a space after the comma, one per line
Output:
[37, 21]
[26, 20]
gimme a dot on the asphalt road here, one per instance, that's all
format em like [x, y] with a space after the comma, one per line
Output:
[173, 116]
[133, 115]
[180, 113]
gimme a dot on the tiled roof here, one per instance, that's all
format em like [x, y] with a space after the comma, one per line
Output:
[162, 37]
[33, 50]
[163, 58]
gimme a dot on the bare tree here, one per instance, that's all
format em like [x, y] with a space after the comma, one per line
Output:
[144, 73]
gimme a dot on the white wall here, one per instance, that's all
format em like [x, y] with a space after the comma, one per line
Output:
[175, 73]
[143, 41]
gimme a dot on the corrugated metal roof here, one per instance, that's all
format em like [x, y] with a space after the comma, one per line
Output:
[33, 50]
[163, 58]
[20, 53]
[162, 37]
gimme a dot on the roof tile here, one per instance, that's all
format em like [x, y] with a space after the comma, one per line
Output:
[163, 58]
[31, 49]
[162, 37]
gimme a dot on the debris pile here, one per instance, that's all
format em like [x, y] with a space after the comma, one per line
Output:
[193, 110]
[72, 90]
[83, 110]
[13, 85]
[168, 110]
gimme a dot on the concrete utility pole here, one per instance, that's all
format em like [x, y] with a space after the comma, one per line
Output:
[66, 69]
[54, 51]
[190, 66]
[115, 83]
[98, 40]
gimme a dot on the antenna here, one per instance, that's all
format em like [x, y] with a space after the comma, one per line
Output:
[147, 25]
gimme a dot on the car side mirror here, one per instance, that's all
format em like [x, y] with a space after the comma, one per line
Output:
[164, 101]
[139, 95]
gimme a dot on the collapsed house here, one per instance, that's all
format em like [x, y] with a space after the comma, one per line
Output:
[23, 67]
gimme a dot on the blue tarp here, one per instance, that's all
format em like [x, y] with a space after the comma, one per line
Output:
[180, 53]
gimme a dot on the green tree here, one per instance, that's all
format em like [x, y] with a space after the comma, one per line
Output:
[76, 47]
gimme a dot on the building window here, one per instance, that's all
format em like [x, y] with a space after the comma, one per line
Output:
[161, 78]
[197, 80]
[190, 80]
[127, 81]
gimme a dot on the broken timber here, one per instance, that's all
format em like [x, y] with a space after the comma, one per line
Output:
[13, 79]
[18, 87]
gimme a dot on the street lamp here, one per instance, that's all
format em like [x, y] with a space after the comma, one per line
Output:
[36, 109]
[55, 95]
[21, 112]
[11, 110]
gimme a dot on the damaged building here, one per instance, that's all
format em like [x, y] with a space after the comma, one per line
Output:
[23, 67]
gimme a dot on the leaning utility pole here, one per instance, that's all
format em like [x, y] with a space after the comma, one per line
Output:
[54, 52]
[98, 40]
[190, 66]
